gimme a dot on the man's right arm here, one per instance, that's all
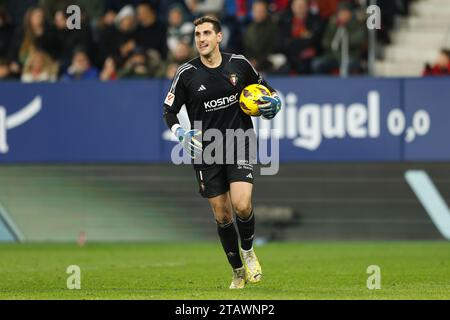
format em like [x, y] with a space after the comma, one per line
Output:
[171, 119]
[175, 99]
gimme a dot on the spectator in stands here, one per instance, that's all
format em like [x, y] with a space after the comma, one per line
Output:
[238, 9]
[388, 10]
[91, 9]
[109, 71]
[69, 39]
[5, 73]
[179, 28]
[441, 67]
[325, 8]
[162, 7]
[81, 68]
[279, 6]
[104, 22]
[6, 32]
[108, 19]
[39, 67]
[301, 31]
[35, 34]
[123, 30]
[125, 22]
[235, 24]
[138, 66]
[182, 53]
[151, 34]
[260, 38]
[341, 24]
[126, 47]
[111, 8]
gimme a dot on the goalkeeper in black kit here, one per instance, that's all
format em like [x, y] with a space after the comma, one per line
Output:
[209, 86]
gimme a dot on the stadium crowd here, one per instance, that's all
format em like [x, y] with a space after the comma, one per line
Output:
[123, 39]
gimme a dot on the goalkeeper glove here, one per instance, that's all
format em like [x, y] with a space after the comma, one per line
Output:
[270, 106]
[189, 141]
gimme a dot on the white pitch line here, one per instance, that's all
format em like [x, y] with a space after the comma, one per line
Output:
[431, 200]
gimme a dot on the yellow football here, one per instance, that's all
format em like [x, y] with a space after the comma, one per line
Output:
[249, 99]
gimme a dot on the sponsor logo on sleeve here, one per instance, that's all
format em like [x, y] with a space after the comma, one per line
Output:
[169, 99]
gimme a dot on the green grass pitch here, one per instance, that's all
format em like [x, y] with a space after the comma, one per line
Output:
[409, 270]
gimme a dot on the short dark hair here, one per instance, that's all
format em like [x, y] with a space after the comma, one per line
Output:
[215, 22]
[146, 4]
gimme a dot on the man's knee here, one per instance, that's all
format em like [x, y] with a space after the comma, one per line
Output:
[224, 220]
[243, 208]
[223, 214]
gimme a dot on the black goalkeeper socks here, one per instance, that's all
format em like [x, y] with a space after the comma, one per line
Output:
[229, 238]
[246, 231]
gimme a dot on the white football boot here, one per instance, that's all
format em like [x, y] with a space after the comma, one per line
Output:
[252, 266]
[239, 279]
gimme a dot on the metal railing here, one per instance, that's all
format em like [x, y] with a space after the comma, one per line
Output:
[372, 46]
[342, 40]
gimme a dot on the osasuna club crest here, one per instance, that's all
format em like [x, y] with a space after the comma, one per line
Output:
[233, 79]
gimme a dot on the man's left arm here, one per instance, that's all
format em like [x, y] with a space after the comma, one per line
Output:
[271, 104]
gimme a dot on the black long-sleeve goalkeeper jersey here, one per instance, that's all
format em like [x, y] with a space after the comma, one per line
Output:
[211, 95]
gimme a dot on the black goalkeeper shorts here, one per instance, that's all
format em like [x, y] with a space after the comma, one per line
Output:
[216, 180]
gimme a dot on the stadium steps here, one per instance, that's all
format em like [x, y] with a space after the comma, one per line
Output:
[351, 201]
[402, 68]
[409, 54]
[56, 203]
[417, 40]
[161, 202]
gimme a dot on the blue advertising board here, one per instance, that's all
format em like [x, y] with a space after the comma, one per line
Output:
[323, 119]
[78, 122]
[344, 120]
[431, 134]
